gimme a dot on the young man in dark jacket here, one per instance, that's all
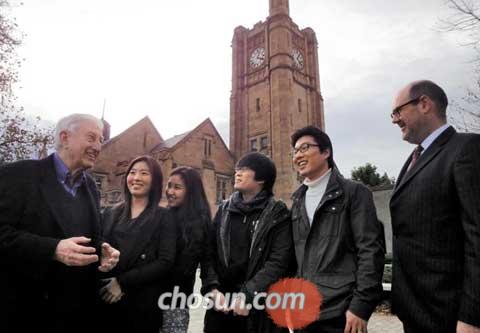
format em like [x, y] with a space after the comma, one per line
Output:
[253, 247]
[337, 237]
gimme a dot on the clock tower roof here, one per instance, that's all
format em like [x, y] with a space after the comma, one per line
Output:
[279, 7]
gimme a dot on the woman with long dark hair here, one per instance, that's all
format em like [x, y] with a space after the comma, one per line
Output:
[189, 206]
[145, 235]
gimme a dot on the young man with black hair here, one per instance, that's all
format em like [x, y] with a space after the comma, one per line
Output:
[337, 237]
[253, 248]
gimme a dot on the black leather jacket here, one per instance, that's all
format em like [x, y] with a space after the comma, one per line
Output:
[342, 251]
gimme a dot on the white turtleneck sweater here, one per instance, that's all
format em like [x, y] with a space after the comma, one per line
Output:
[316, 190]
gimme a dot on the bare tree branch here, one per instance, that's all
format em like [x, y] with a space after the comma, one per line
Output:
[20, 136]
[465, 113]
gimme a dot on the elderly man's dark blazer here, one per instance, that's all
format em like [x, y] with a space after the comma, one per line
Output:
[435, 210]
[35, 290]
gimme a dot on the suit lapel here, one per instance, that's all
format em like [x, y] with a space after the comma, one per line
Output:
[402, 172]
[432, 151]
[49, 186]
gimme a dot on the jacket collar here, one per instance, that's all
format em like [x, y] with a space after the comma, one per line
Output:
[333, 190]
[432, 151]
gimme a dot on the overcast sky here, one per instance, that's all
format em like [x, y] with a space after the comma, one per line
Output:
[171, 60]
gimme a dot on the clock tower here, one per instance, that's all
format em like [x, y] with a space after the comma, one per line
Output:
[275, 90]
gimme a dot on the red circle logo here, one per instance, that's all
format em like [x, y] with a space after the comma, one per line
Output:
[293, 303]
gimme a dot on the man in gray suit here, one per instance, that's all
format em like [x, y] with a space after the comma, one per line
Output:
[435, 212]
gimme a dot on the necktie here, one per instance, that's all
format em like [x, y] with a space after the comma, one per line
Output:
[416, 154]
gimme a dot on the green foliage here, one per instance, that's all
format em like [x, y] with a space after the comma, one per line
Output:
[369, 176]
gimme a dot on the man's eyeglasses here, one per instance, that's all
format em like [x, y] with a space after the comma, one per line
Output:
[303, 148]
[398, 109]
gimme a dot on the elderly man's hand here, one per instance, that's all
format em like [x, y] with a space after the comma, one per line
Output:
[73, 252]
[109, 258]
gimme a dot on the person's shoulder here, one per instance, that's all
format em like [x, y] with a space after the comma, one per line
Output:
[22, 165]
[351, 186]
[163, 214]
[279, 204]
[162, 210]
[22, 170]
[467, 144]
[467, 137]
[279, 207]
[118, 207]
[354, 184]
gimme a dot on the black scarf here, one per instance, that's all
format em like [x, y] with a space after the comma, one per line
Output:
[258, 203]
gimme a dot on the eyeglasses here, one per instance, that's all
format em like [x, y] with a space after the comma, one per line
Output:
[303, 148]
[398, 109]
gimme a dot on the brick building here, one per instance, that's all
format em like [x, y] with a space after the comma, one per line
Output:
[201, 148]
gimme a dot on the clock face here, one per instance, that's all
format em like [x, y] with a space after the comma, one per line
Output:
[297, 59]
[257, 57]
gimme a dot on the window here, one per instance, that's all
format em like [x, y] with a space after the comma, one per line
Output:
[263, 142]
[258, 105]
[207, 147]
[174, 165]
[122, 163]
[98, 182]
[114, 197]
[253, 145]
[299, 105]
[221, 189]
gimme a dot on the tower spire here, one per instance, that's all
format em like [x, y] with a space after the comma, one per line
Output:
[103, 111]
[279, 7]
[106, 125]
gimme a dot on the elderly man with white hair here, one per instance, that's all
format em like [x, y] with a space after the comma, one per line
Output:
[50, 244]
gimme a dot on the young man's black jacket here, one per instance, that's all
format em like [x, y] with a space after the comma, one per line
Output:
[270, 254]
[341, 252]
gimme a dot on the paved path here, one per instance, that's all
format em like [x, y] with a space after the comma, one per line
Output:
[378, 323]
[381, 323]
